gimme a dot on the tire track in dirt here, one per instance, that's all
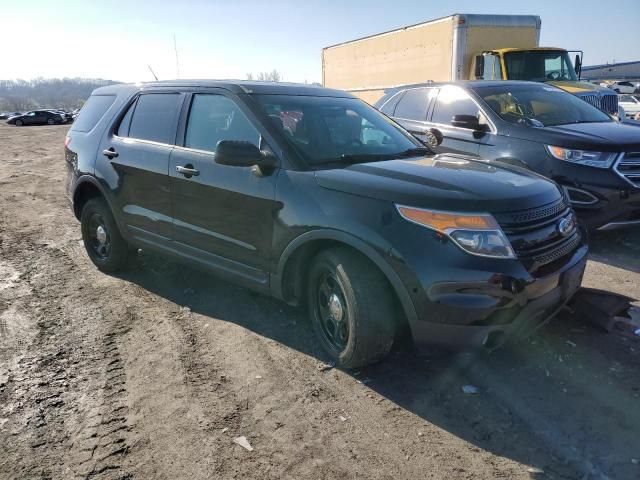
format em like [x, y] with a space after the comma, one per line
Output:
[67, 390]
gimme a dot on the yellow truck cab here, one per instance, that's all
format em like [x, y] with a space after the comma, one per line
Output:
[542, 64]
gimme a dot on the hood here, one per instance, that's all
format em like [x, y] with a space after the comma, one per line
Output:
[443, 182]
[580, 87]
[601, 136]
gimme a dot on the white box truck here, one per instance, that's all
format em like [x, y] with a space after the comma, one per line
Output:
[457, 47]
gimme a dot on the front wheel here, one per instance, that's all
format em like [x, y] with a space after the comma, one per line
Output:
[105, 246]
[351, 307]
[19, 123]
[50, 121]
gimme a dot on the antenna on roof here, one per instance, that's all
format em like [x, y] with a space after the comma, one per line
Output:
[152, 72]
[175, 47]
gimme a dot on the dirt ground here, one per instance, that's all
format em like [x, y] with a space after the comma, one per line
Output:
[153, 373]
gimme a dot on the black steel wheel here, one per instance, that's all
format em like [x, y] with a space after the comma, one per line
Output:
[102, 240]
[351, 307]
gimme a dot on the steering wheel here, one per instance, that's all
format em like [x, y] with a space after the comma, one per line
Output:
[555, 75]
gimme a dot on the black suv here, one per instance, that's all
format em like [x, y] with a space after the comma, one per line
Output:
[537, 126]
[314, 197]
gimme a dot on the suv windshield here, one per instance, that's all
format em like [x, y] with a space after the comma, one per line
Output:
[331, 129]
[538, 105]
[539, 66]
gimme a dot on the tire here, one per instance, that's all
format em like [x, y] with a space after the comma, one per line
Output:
[50, 121]
[363, 304]
[19, 123]
[107, 249]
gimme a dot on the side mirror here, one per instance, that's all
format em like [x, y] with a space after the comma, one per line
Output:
[479, 67]
[578, 65]
[470, 122]
[239, 153]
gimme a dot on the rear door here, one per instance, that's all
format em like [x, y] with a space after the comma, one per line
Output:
[224, 214]
[135, 156]
[412, 109]
[455, 101]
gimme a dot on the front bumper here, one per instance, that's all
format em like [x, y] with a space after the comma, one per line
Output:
[609, 206]
[490, 315]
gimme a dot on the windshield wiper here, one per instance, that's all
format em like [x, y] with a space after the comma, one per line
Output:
[414, 152]
[373, 157]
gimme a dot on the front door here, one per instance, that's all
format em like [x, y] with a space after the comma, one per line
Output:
[136, 166]
[223, 214]
[455, 101]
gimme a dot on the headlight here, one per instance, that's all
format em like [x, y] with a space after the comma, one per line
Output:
[583, 157]
[477, 234]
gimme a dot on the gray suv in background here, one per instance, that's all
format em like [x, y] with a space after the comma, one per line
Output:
[535, 126]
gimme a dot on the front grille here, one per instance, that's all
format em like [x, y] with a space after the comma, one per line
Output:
[535, 236]
[607, 103]
[592, 99]
[628, 167]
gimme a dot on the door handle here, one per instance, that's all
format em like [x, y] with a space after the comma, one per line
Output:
[188, 171]
[110, 153]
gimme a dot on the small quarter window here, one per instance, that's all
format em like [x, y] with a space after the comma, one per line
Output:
[92, 111]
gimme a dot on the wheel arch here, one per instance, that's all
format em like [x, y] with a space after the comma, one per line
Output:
[288, 282]
[86, 188]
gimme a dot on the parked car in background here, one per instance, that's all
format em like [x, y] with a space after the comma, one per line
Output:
[62, 114]
[312, 196]
[538, 127]
[36, 117]
[6, 115]
[631, 104]
[622, 87]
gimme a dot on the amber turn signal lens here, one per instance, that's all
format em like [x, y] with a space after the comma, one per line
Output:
[444, 222]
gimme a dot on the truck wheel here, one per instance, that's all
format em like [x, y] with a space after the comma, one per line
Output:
[105, 246]
[351, 307]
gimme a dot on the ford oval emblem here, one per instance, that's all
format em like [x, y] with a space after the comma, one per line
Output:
[566, 225]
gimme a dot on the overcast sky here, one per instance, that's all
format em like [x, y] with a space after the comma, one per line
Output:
[227, 39]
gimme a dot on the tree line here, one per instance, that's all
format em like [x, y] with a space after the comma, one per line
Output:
[64, 93]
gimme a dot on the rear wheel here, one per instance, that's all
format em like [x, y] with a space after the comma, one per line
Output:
[19, 123]
[102, 240]
[351, 307]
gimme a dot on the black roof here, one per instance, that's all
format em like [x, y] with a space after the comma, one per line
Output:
[235, 86]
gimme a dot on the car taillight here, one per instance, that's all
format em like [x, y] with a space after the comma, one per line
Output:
[67, 141]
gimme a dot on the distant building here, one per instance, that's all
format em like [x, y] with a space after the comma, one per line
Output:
[612, 71]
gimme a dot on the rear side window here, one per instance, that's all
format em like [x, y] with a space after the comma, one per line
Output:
[390, 107]
[92, 111]
[414, 104]
[213, 118]
[154, 117]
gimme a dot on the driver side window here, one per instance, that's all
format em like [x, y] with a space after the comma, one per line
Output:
[213, 118]
[453, 101]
